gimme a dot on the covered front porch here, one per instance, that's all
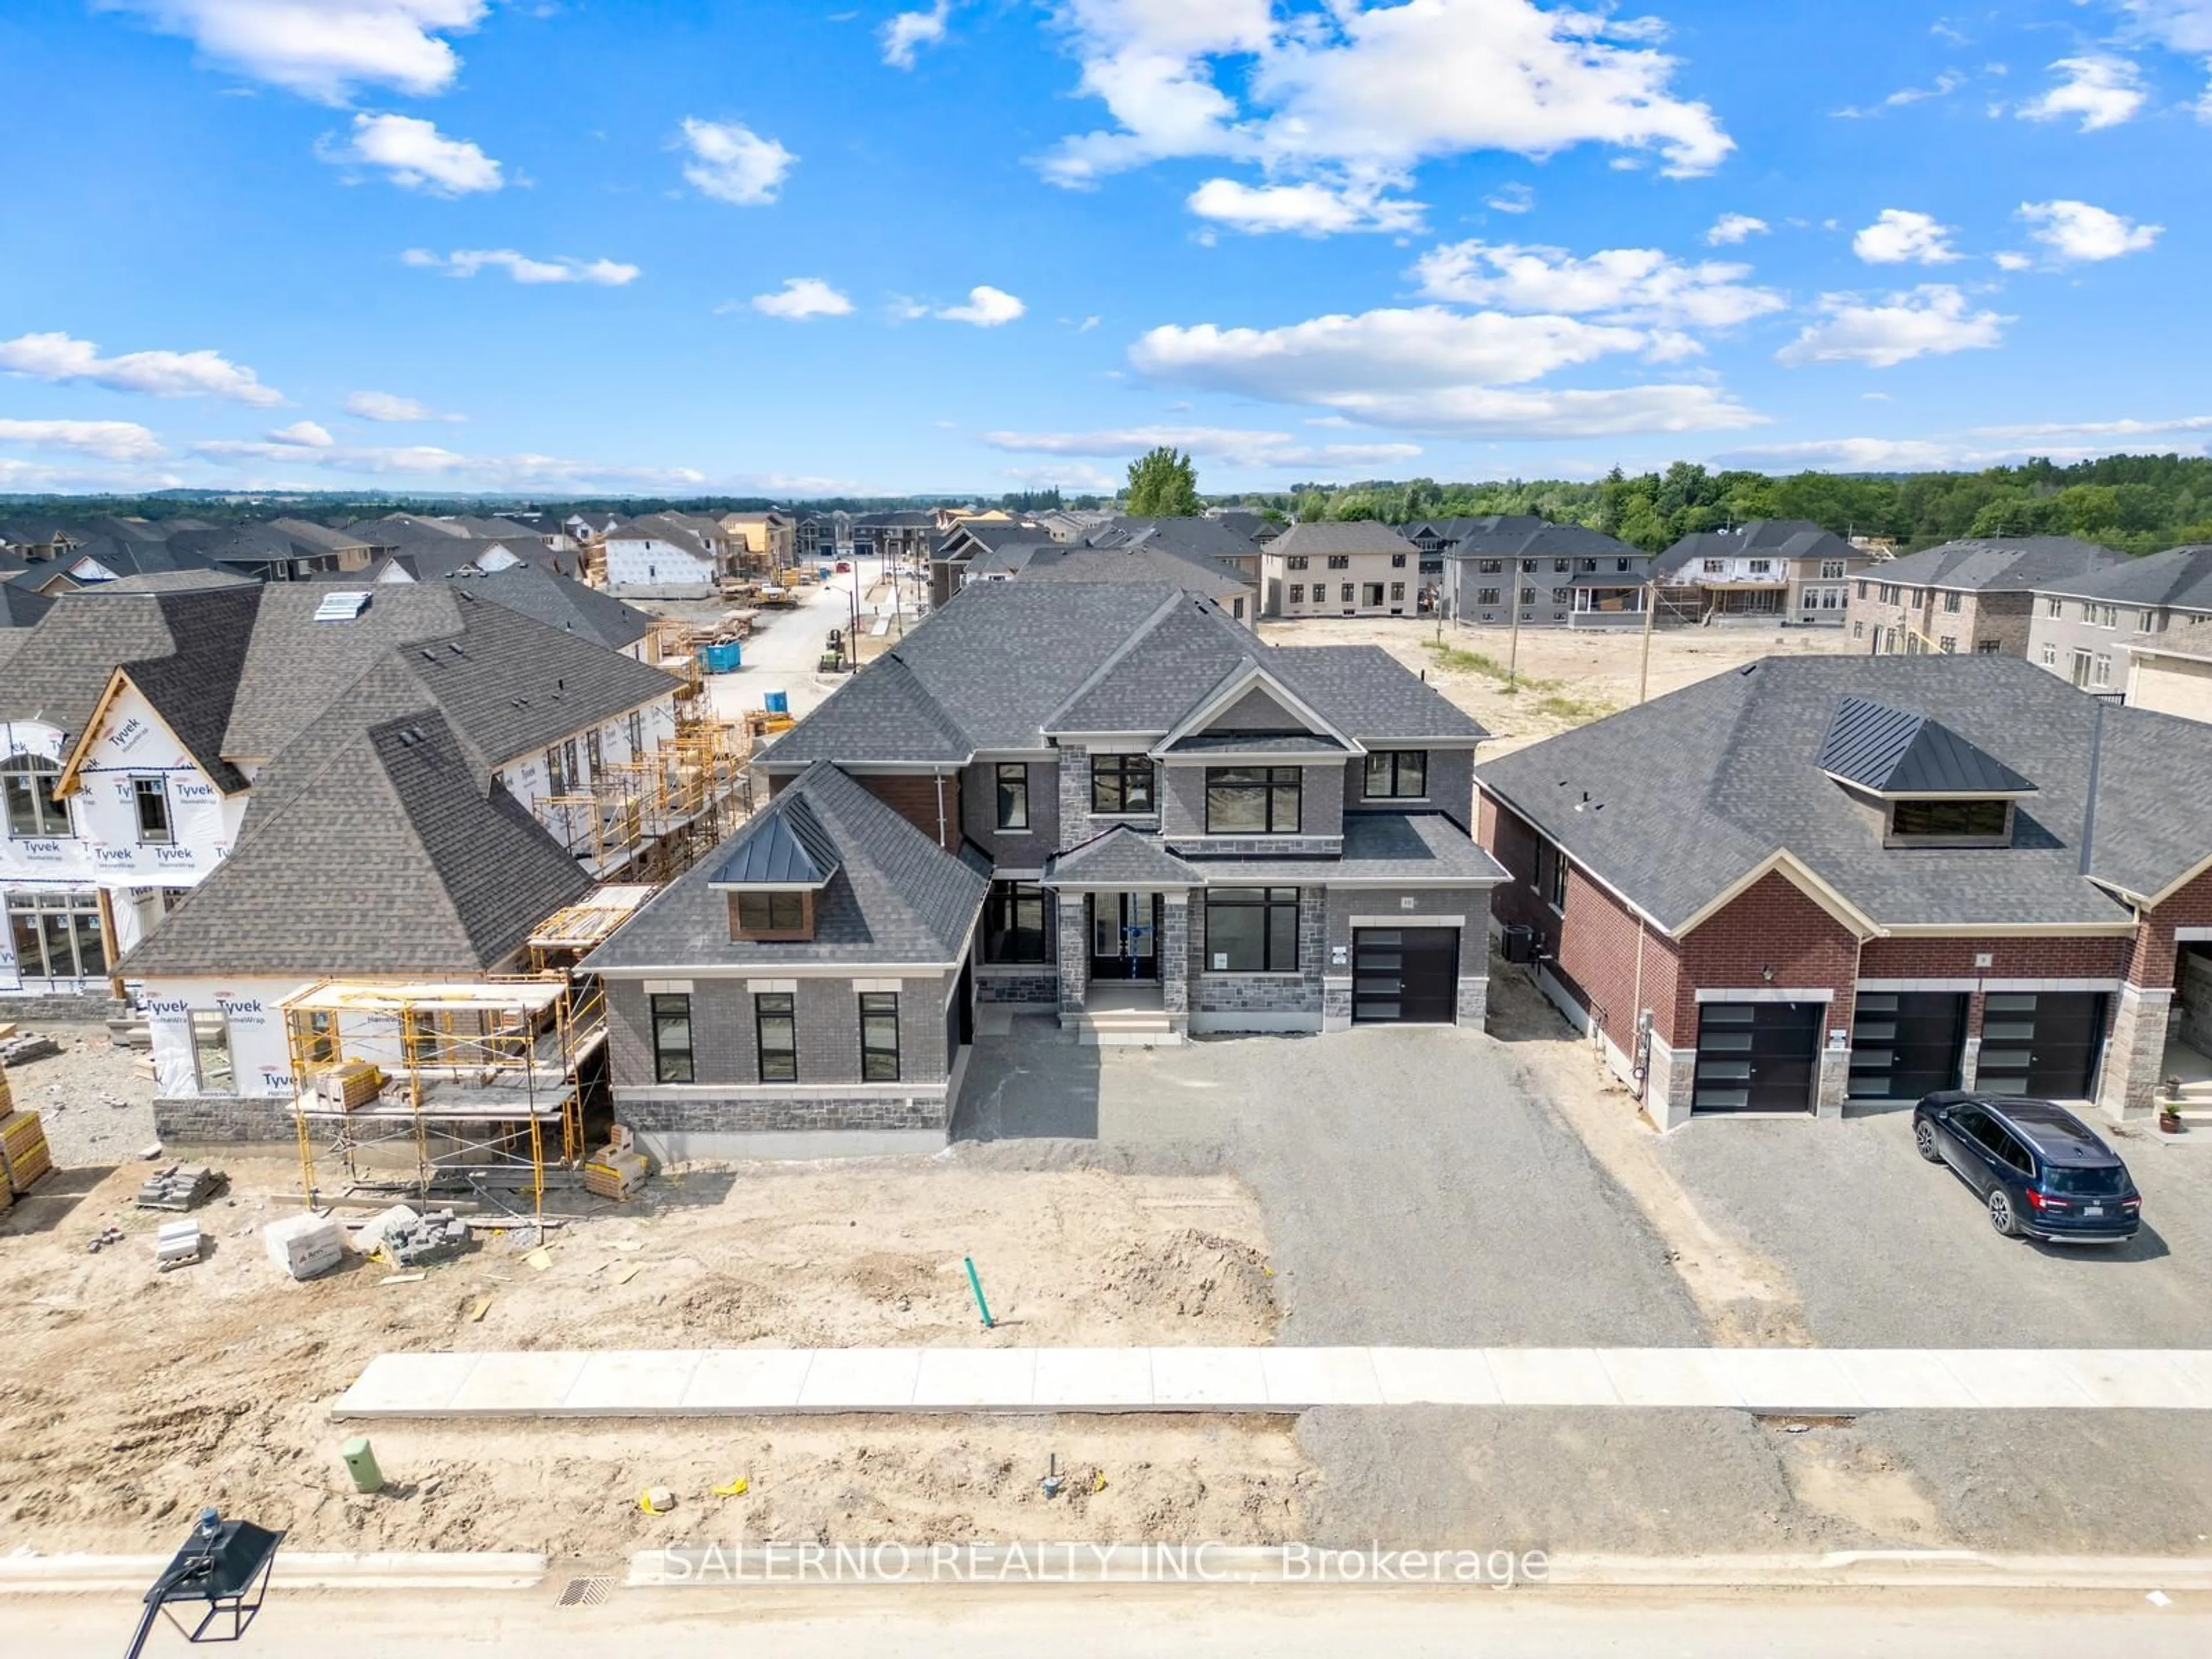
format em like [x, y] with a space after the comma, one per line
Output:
[1124, 906]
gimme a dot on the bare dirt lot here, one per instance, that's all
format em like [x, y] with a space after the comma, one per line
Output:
[1565, 677]
[128, 1398]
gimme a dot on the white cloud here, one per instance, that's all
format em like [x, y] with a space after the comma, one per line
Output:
[321, 48]
[112, 440]
[2009, 260]
[732, 163]
[307, 434]
[1362, 96]
[1898, 236]
[1733, 227]
[1433, 368]
[2126, 428]
[910, 30]
[1969, 450]
[415, 155]
[801, 297]
[1621, 284]
[1310, 209]
[1932, 319]
[1510, 199]
[1234, 444]
[388, 406]
[987, 307]
[2102, 89]
[1850, 455]
[523, 267]
[1078, 476]
[1945, 84]
[2074, 230]
[58, 358]
[293, 447]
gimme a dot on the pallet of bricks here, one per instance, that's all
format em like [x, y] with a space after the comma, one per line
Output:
[24, 1154]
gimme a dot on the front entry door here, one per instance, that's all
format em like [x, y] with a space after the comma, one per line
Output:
[1125, 936]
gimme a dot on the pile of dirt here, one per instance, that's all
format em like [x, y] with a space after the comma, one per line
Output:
[129, 1399]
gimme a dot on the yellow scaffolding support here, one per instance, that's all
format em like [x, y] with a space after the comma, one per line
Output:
[473, 1076]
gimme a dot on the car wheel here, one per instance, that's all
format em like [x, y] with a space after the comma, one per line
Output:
[2002, 1216]
[1923, 1137]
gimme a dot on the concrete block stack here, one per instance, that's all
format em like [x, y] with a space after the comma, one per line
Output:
[437, 1236]
[179, 1187]
[177, 1245]
[305, 1246]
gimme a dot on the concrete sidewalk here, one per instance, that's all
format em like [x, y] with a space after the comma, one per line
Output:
[750, 1382]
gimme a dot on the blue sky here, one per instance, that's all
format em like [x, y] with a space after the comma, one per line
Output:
[980, 245]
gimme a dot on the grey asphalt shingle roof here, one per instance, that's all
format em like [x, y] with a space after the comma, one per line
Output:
[1778, 538]
[1673, 802]
[1350, 536]
[561, 602]
[1141, 560]
[896, 897]
[391, 859]
[20, 607]
[1004, 664]
[1414, 849]
[295, 667]
[1898, 751]
[2015, 564]
[1120, 858]
[2179, 578]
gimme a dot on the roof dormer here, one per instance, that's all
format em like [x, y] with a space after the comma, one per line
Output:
[1930, 787]
[773, 876]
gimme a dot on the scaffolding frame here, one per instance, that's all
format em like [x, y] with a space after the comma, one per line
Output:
[655, 815]
[479, 1074]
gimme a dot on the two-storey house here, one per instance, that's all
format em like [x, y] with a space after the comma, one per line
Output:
[1782, 571]
[1974, 597]
[1511, 569]
[1107, 802]
[2142, 624]
[1354, 568]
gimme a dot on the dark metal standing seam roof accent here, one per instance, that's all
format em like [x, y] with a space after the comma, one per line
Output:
[786, 846]
[1895, 752]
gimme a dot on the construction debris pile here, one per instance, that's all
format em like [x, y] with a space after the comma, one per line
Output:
[179, 1187]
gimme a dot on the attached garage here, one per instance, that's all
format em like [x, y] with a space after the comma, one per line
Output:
[1757, 1056]
[1404, 975]
[2042, 1043]
[1906, 1044]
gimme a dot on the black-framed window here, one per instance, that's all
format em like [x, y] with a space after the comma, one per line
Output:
[1949, 820]
[671, 1038]
[1122, 783]
[1252, 930]
[1397, 774]
[772, 913]
[1252, 800]
[1013, 795]
[149, 798]
[879, 1036]
[29, 782]
[1555, 879]
[1297, 593]
[1397, 562]
[1340, 561]
[1017, 923]
[775, 1034]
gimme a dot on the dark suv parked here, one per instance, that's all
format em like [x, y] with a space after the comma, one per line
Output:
[2042, 1171]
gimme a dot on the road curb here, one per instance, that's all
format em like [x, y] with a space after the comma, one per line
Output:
[83, 1575]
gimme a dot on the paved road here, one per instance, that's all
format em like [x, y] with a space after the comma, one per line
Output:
[1185, 1622]
[783, 655]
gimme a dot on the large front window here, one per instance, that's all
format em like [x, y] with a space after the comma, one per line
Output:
[1397, 774]
[56, 935]
[1252, 800]
[1014, 923]
[1121, 784]
[29, 782]
[1252, 930]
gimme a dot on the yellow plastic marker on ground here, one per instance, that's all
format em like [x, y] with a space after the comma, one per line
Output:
[737, 1488]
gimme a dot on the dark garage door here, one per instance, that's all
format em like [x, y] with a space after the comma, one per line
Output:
[2042, 1043]
[1906, 1044]
[1757, 1056]
[1404, 975]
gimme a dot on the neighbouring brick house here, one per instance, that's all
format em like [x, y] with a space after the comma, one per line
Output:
[1822, 880]
[1967, 596]
[1104, 801]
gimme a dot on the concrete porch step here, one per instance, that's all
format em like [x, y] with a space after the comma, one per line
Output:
[1108, 1028]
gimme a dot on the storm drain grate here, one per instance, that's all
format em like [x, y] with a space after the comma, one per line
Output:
[586, 1592]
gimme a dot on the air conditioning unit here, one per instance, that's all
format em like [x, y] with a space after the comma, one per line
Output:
[1520, 943]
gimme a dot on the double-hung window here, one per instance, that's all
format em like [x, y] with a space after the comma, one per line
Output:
[671, 1039]
[1121, 784]
[775, 1030]
[1013, 795]
[29, 782]
[149, 797]
[1397, 774]
[1340, 561]
[1297, 593]
[1555, 879]
[1252, 800]
[1252, 930]
[879, 1036]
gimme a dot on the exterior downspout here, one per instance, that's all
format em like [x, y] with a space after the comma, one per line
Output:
[940, 812]
[1641, 1064]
